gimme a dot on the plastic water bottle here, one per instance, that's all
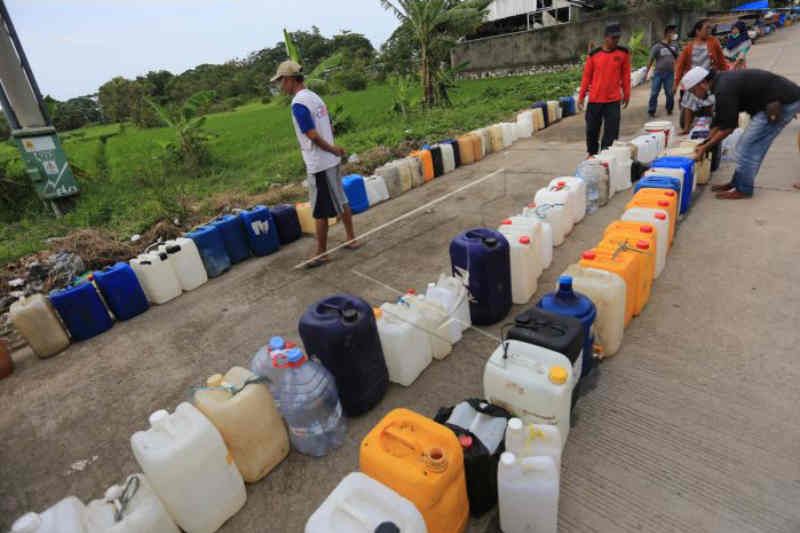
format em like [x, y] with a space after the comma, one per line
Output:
[592, 188]
[270, 361]
[309, 401]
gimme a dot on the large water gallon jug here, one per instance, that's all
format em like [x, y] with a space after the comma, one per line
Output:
[687, 165]
[186, 262]
[515, 227]
[559, 333]
[664, 126]
[244, 413]
[528, 494]
[158, 278]
[287, 223]
[211, 246]
[659, 201]
[538, 119]
[456, 150]
[271, 361]
[448, 157]
[234, 236]
[391, 176]
[643, 231]
[482, 257]
[305, 215]
[622, 245]
[426, 160]
[341, 332]
[435, 320]
[534, 440]
[525, 123]
[466, 148]
[438, 160]
[422, 461]
[608, 292]
[508, 134]
[359, 504]
[556, 216]
[261, 230]
[309, 402]
[542, 107]
[121, 290]
[82, 311]
[577, 192]
[189, 467]
[525, 269]
[356, 193]
[702, 169]
[565, 301]
[480, 428]
[496, 137]
[596, 177]
[658, 218]
[406, 348]
[131, 507]
[454, 297]
[531, 382]
[67, 516]
[376, 190]
[552, 111]
[618, 174]
[557, 195]
[36, 320]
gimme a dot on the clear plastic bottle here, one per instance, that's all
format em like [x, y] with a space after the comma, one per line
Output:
[270, 362]
[592, 187]
[309, 402]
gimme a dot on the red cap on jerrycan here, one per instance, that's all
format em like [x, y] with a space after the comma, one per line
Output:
[524, 240]
[646, 229]
[643, 245]
[661, 216]
[589, 255]
[507, 222]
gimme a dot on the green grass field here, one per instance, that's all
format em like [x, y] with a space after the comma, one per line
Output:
[253, 147]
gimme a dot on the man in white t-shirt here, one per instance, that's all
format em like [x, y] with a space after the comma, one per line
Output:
[312, 125]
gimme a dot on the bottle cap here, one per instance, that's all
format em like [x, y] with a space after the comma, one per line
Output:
[565, 283]
[663, 203]
[277, 343]
[214, 381]
[558, 375]
[507, 222]
[669, 193]
[643, 245]
[562, 184]
[524, 240]
[411, 291]
[378, 312]
[27, 523]
[158, 416]
[589, 255]
[508, 458]
[387, 527]
[661, 216]
[491, 242]
[465, 441]
[646, 228]
[350, 315]
[515, 424]
[295, 355]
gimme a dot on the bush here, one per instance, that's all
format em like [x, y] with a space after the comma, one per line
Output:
[266, 99]
[352, 80]
[319, 86]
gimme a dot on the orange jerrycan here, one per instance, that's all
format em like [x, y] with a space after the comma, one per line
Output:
[659, 199]
[625, 266]
[427, 163]
[635, 232]
[466, 149]
[423, 462]
[620, 245]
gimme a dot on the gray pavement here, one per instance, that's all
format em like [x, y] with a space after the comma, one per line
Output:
[692, 426]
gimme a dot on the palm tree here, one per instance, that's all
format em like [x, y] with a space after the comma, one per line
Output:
[434, 24]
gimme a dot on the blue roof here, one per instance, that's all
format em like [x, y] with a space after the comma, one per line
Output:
[753, 6]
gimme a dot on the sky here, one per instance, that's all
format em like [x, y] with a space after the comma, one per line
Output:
[74, 46]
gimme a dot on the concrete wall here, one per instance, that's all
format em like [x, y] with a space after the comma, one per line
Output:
[560, 44]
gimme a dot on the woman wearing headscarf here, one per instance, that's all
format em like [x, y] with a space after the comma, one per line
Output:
[702, 51]
[737, 46]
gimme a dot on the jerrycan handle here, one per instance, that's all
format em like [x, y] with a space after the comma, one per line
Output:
[394, 433]
[504, 329]
[354, 512]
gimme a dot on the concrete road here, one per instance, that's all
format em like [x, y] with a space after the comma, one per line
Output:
[692, 426]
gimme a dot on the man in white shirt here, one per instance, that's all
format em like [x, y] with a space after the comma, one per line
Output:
[312, 125]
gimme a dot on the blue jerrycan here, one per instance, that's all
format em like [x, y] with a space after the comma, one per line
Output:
[234, 236]
[211, 246]
[287, 222]
[687, 164]
[261, 230]
[121, 290]
[82, 311]
[356, 193]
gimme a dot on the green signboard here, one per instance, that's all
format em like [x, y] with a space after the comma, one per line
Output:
[46, 164]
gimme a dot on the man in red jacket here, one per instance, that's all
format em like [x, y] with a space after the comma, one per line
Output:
[607, 79]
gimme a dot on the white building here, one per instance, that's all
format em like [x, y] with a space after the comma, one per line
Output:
[530, 14]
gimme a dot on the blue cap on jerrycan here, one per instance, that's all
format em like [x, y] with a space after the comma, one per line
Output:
[277, 343]
[295, 355]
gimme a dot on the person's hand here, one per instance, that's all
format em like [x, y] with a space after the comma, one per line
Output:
[700, 152]
[580, 104]
[625, 104]
[338, 150]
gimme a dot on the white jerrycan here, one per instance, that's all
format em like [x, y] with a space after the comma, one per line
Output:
[157, 277]
[531, 382]
[454, 296]
[577, 194]
[607, 291]
[359, 504]
[558, 196]
[131, 507]
[508, 134]
[406, 348]
[660, 221]
[525, 123]
[437, 322]
[546, 242]
[376, 190]
[189, 467]
[448, 157]
[534, 440]
[536, 228]
[557, 216]
[67, 516]
[525, 268]
[186, 262]
[490, 430]
[527, 491]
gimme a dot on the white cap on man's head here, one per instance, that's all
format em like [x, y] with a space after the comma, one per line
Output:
[287, 69]
[693, 77]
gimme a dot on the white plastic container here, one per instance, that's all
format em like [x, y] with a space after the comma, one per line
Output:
[67, 516]
[527, 491]
[577, 193]
[647, 148]
[558, 217]
[189, 467]
[448, 157]
[131, 507]
[663, 126]
[534, 440]
[36, 320]
[359, 504]
[531, 382]
[454, 297]
[525, 269]
[157, 277]
[619, 175]
[406, 348]
[521, 226]
[435, 321]
[684, 151]
[557, 196]
[403, 312]
[376, 190]
[525, 123]
[607, 291]
[186, 262]
[490, 430]
[508, 134]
